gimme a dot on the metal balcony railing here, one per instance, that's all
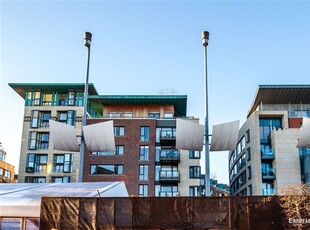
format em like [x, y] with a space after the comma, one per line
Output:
[267, 154]
[269, 173]
[269, 191]
[165, 194]
[169, 176]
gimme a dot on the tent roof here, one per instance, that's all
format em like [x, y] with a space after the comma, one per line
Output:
[23, 200]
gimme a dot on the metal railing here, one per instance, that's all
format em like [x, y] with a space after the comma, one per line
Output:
[170, 175]
[269, 191]
[169, 194]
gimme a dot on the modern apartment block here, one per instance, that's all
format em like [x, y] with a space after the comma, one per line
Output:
[266, 158]
[144, 127]
[39, 161]
[6, 170]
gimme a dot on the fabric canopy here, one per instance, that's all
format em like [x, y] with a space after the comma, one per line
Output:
[189, 135]
[304, 139]
[23, 200]
[63, 136]
[225, 136]
[99, 137]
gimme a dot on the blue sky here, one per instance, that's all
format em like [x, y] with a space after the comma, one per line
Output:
[141, 47]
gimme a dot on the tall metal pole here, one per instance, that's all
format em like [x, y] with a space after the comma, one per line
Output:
[205, 41]
[87, 42]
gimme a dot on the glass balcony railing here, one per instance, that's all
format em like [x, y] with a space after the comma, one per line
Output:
[169, 155]
[172, 176]
[167, 134]
[267, 153]
[269, 173]
[269, 191]
[165, 194]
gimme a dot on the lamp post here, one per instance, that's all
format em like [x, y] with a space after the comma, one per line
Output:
[205, 41]
[87, 42]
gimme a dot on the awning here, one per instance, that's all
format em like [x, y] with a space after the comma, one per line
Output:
[225, 136]
[189, 135]
[99, 137]
[63, 136]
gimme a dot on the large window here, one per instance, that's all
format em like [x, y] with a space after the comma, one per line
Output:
[144, 153]
[62, 99]
[30, 179]
[194, 191]
[168, 191]
[63, 163]
[47, 99]
[154, 115]
[119, 150]
[67, 117]
[71, 98]
[144, 133]
[194, 171]
[64, 179]
[143, 172]
[36, 163]
[107, 169]
[143, 190]
[120, 114]
[33, 98]
[119, 130]
[40, 118]
[38, 140]
[194, 154]
[265, 127]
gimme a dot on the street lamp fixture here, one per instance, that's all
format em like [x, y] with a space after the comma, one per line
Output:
[205, 42]
[87, 42]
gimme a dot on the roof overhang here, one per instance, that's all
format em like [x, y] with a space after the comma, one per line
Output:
[178, 101]
[22, 88]
[280, 94]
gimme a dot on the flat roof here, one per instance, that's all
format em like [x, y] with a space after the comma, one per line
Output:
[178, 101]
[280, 94]
[21, 88]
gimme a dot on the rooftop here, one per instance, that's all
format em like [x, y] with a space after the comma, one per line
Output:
[280, 94]
[21, 88]
[178, 101]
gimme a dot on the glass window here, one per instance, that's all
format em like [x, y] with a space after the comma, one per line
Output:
[248, 153]
[249, 172]
[34, 119]
[40, 163]
[62, 99]
[248, 137]
[107, 169]
[143, 172]
[143, 190]
[144, 153]
[67, 117]
[194, 154]
[45, 116]
[157, 170]
[157, 155]
[42, 140]
[47, 99]
[30, 163]
[119, 150]
[144, 133]
[71, 98]
[168, 115]
[194, 191]
[32, 141]
[64, 179]
[79, 97]
[119, 130]
[36, 98]
[194, 171]
[154, 115]
[63, 163]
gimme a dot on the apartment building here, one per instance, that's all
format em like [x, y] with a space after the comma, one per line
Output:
[39, 161]
[266, 158]
[144, 127]
[6, 170]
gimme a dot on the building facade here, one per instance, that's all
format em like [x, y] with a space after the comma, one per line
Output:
[266, 158]
[6, 170]
[144, 127]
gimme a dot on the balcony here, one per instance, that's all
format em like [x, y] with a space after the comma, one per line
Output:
[167, 137]
[167, 194]
[169, 176]
[269, 191]
[269, 173]
[169, 156]
[267, 154]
